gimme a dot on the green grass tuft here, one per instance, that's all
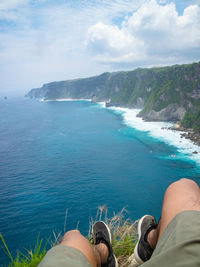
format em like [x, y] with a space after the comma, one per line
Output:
[30, 259]
[124, 234]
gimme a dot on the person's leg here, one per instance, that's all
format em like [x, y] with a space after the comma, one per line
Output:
[76, 250]
[180, 196]
[96, 255]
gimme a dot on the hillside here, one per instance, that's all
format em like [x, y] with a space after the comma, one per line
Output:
[164, 94]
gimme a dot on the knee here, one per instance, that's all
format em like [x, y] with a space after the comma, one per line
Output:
[73, 234]
[187, 181]
[76, 240]
[183, 183]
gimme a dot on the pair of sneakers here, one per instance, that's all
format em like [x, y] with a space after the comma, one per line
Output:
[142, 251]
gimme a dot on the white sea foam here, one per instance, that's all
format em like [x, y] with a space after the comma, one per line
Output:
[159, 130]
[66, 99]
[102, 104]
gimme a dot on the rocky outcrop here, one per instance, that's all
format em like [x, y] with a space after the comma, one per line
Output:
[194, 137]
[171, 113]
[94, 99]
[195, 94]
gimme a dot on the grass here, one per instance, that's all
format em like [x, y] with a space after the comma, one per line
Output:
[31, 259]
[124, 238]
[124, 235]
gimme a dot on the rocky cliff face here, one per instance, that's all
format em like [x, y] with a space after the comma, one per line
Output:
[171, 113]
[163, 94]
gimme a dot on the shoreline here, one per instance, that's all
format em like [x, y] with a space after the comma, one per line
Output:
[188, 134]
[65, 100]
[186, 142]
[185, 133]
[163, 131]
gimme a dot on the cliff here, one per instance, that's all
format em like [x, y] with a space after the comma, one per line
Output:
[164, 94]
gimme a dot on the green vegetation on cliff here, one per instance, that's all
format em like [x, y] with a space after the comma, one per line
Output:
[166, 93]
[192, 120]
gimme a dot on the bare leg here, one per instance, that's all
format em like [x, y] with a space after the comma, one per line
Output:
[180, 196]
[96, 254]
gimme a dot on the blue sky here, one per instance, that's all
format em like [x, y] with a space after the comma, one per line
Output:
[47, 40]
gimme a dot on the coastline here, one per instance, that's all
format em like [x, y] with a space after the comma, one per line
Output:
[188, 134]
[65, 99]
[185, 141]
[163, 131]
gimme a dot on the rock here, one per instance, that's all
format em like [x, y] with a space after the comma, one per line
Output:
[148, 89]
[194, 137]
[194, 152]
[194, 94]
[94, 99]
[177, 125]
[172, 112]
[109, 104]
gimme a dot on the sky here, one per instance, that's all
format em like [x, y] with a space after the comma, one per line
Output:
[51, 40]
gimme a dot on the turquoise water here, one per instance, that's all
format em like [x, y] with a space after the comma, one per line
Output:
[77, 156]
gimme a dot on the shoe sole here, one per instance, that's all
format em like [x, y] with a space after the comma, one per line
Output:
[116, 262]
[137, 257]
[110, 239]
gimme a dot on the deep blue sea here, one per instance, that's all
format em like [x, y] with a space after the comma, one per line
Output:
[56, 156]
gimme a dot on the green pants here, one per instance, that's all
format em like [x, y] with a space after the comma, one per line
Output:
[179, 246]
[62, 256]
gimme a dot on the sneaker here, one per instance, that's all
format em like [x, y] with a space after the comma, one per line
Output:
[101, 234]
[143, 250]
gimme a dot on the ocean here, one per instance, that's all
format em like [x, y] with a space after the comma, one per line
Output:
[74, 156]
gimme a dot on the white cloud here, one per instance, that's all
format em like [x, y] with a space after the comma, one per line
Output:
[9, 9]
[11, 4]
[44, 40]
[109, 43]
[153, 34]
